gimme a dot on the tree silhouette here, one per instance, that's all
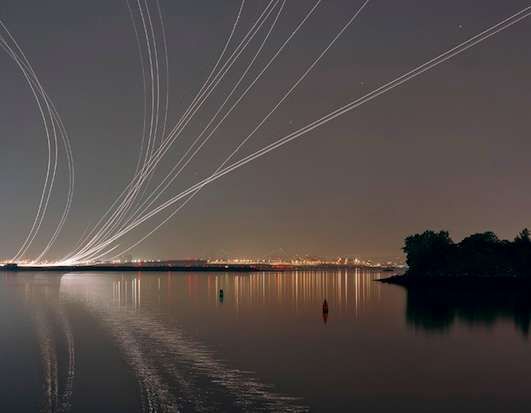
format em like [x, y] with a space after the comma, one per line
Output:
[428, 251]
[523, 237]
[483, 254]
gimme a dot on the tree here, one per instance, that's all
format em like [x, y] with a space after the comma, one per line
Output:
[481, 240]
[521, 253]
[482, 254]
[523, 237]
[428, 251]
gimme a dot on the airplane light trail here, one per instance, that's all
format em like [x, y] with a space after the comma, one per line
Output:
[140, 200]
[174, 173]
[240, 145]
[138, 180]
[417, 71]
[53, 125]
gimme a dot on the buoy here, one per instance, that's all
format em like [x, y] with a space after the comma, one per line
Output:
[325, 311]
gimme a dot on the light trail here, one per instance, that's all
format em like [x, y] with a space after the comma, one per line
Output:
[242, 77]
[70, 165]
[188, 116]
[138, 179]
[417, 71]
[153, 59]
[154, 139]
[49, 177]
[71, 185]
[163, 35]
[195, 106]
[157, 83]
[56, 127]
[55, 117]
[286, 95]
[167, 181]
[296, 84]
[152, 77]
[144, 84]
[167, 71]
[143, 158]
[155, 111]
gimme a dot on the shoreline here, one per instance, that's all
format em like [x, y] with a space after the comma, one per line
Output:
[243, 268]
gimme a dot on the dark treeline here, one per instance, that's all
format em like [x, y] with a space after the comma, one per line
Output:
[434, 253]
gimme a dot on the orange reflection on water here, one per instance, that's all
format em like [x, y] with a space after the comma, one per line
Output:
[344, 290]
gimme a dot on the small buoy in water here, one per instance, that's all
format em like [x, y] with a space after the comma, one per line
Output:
[325, 311]
[221, 293]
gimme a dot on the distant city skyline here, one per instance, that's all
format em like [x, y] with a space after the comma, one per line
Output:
[448, 150]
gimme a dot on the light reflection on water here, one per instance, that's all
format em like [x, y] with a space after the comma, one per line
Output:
[112, 342]
[348, 290]
[166, 359]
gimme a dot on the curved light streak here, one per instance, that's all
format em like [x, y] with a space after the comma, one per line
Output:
[286, 95]
[53, 126]
[155, 194]
[217, 78]
[417, 71]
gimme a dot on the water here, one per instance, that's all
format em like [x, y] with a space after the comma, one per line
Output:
[111, 342]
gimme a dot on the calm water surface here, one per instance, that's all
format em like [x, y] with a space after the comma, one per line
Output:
[145, 342]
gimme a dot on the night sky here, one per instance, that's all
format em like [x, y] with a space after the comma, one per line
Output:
[449, 150]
